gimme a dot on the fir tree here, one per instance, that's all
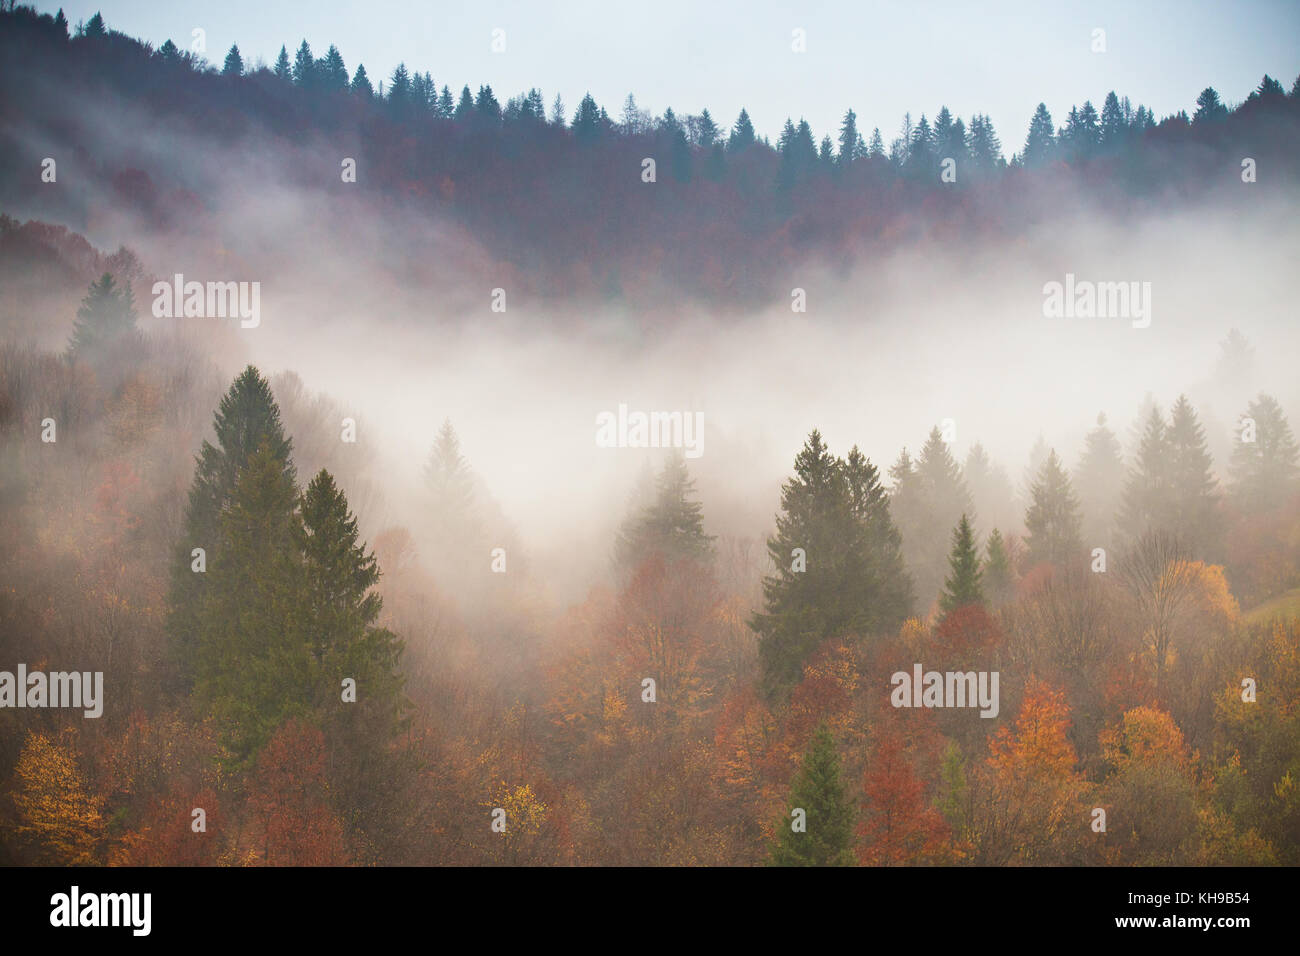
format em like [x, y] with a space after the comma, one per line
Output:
[1052, 521]
[1099, 480]
[361, 83]
[672, 526]
[106, 315]
[246, 418]
[742, 134]
[234, 65]
[1264, 458]
[828, 815]
[304, 67]
[283, 69]
[964, 584]
[1041, 140]
[999, 578]
[1146, 491]
[1193, 491]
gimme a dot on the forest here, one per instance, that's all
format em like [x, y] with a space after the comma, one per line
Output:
[323, 646]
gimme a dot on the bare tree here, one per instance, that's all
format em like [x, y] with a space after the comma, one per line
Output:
[1158, 572]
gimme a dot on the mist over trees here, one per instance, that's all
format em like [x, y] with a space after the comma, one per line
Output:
[352, 657]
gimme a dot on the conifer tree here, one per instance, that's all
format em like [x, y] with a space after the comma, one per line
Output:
[1052, 521]
[107, 313]
[1041, 139]
[1265, 467]
[304, 67]
[1193, 490]
[234, 65]
[818, 790]
[742, 134]
[246, 418]
[672, 526]
[361, 83]
[1099, 481]
[965, 582]
[1146, 490]
[999, 578]
[283, 69]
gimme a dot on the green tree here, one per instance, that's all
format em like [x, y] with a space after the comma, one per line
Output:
[1041, 141]
[234, 65]
[999, 578]
[283, 69]
[1265, 458]
[742, 134]
[1193, 490]
[361, 83]
[672, 526]
[1145, 502]
[1052, 521]
[106, 315]
[828, 815]
[246, 418]
[965, 583]
[304, 67]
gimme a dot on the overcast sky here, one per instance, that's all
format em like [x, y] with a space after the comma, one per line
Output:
[881, 59]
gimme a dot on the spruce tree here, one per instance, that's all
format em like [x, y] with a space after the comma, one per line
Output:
[1052, 521]
[965, 582]
[1193, 490]
[818, 790]
[283, 70]
[672, 526]
[246, 418]
[253, 649]
[886, 587]
[999, 578]
[1265, 458]
[304, 67]
[1146, 491]
[234, 65]
[106, 316]
[1099, 481]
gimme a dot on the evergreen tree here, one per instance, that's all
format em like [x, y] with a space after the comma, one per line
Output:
[246, 418]
[928, 512]
[742, 134]
[1208, 107]
[342, 608]
[991, 494]
[1193, 490]
[1265, 469]
[672, 526]
[1052, 520]
[1041, 139]
[283, 69]
[1099, 480]
[234, 65]
[446, 106]
[304, 67]
[845, 576]
[486, 107]
[1114, 128]
[586, 121]
[877, 145]
[399, 91]
[464, 106]
[252, 659]
[999, 578]
[848, 139]
[828, 815]
[332, 74]
[361, 83]
[107, 314]
[1146, 491]
[964, 584]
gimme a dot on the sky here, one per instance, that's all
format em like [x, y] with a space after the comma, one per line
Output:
[881, 59]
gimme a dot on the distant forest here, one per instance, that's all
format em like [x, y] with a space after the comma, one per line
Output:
[557, 192]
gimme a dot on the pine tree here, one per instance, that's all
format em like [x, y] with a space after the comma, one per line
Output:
[332, 73]
[672, 526]
[586, 121]
[828, 815]
[361, 83]
[1146, 491]
[992, 496]
[106, 315]
[1040, 143]
[964, 584]
[1193, 490]
[343, 607]
[283, 70]
[850, 582]
[1099, 479]
[1264, 468]
[1208, 107]
[234, 65]
[1052, 520]
[938, 499]
[304, 67]
[252, 656]
[742, 134]
[999, 578]
[246, 418]
[848, 139]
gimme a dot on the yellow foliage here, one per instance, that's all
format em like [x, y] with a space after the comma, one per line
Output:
[57, 812]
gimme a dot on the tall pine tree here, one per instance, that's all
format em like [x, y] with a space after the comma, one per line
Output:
[965, 582]
[827, 822]
[1052, 521]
